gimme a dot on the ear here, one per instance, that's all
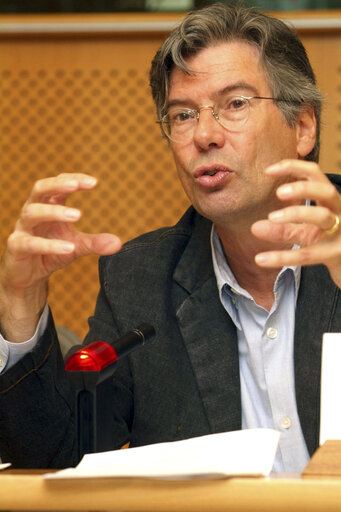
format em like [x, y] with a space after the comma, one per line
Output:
[305, 131]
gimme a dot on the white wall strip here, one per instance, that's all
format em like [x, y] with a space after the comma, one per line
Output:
[46, 27]
[80, 27]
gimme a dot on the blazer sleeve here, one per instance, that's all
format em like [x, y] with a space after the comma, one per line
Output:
[36, 418]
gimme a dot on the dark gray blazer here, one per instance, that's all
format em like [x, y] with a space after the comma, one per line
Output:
[183, 384]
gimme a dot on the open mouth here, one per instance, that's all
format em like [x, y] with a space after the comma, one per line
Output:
[211, 170]
[211, 173]
[212, 176]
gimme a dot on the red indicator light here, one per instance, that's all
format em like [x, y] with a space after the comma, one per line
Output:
[92, 358]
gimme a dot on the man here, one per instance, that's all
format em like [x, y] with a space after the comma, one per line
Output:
[239, 323]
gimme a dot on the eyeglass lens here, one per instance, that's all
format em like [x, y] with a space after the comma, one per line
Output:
[179, 123]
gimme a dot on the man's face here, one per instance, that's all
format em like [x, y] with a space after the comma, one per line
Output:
[239, 189]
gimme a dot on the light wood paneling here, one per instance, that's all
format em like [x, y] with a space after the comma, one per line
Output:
[82, 103]
[325, 56]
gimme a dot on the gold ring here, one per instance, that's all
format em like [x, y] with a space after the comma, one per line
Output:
[334, 227]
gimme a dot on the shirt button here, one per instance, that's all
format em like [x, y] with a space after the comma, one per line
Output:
[271, 332]
[285, 422]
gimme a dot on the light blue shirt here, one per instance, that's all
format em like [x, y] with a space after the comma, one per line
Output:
[11, 352]
[266, 345]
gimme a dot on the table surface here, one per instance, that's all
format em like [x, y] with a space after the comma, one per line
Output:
[28, 490]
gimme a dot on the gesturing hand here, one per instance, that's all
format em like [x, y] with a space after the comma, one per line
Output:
[44, 240]
[309, 226]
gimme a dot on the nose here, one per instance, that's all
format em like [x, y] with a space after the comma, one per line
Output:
[208, 132]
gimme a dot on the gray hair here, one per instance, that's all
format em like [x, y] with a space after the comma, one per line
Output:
[284, 57]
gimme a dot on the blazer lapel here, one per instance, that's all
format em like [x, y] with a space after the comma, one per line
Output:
[211, 341]
[209, 334]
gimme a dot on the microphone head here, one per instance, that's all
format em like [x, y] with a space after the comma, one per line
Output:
[99, 354]
[91, 358]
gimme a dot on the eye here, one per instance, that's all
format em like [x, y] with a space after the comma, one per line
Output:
[236, 103]
[181, 116]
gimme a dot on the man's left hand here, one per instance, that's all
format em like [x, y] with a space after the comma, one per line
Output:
[309, 226]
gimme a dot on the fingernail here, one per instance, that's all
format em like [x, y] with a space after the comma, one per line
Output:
[284, 191]
[277, 215]
[273, 167]
[71, 214]
[90, 181]
[261, 258]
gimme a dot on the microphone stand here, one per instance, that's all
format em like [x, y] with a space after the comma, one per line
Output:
[92, 404]
[90, 371]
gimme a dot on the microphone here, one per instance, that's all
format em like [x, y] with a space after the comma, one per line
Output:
[99, 354]
[89, 370]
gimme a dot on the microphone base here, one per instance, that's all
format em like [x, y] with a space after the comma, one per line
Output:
[93, 410]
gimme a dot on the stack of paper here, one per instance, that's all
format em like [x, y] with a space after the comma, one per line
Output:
[245, 452]
[330, 419]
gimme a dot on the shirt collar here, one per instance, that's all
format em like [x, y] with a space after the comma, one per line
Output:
[225, 277]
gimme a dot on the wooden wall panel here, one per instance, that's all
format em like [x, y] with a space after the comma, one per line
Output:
[83, 104]
[324, 51]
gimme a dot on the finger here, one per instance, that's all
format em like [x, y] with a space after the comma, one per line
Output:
[61, 186]
[312, 255]
[24, 244]
[322, 193]
[300, 169]
[34, 214]
[286, 233]
[20, 244]
[271, 232]
[318, 215]
[100, 244]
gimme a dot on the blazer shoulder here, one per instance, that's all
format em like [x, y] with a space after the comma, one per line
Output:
[335, 179]
[160, 243]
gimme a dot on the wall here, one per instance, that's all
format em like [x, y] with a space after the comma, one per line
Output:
[74, 97]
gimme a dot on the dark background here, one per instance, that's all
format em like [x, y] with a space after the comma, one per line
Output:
[79, 6]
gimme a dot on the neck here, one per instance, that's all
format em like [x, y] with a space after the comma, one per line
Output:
[240, 248]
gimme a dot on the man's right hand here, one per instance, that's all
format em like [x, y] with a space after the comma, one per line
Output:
[44, 240]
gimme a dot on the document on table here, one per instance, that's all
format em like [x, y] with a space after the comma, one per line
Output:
[238, 453]
[330, 417]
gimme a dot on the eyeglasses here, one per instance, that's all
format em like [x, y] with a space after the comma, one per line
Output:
[179, 123]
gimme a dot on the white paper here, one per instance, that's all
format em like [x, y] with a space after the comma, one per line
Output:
[330, 422]
[5, 465]
[245, 452]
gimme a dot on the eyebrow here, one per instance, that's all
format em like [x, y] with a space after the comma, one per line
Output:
[244, 86]
[236, 86]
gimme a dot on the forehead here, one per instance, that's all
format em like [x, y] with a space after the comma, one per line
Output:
[220, 66]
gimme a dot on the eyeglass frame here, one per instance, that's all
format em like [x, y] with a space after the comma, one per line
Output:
[215, 115]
